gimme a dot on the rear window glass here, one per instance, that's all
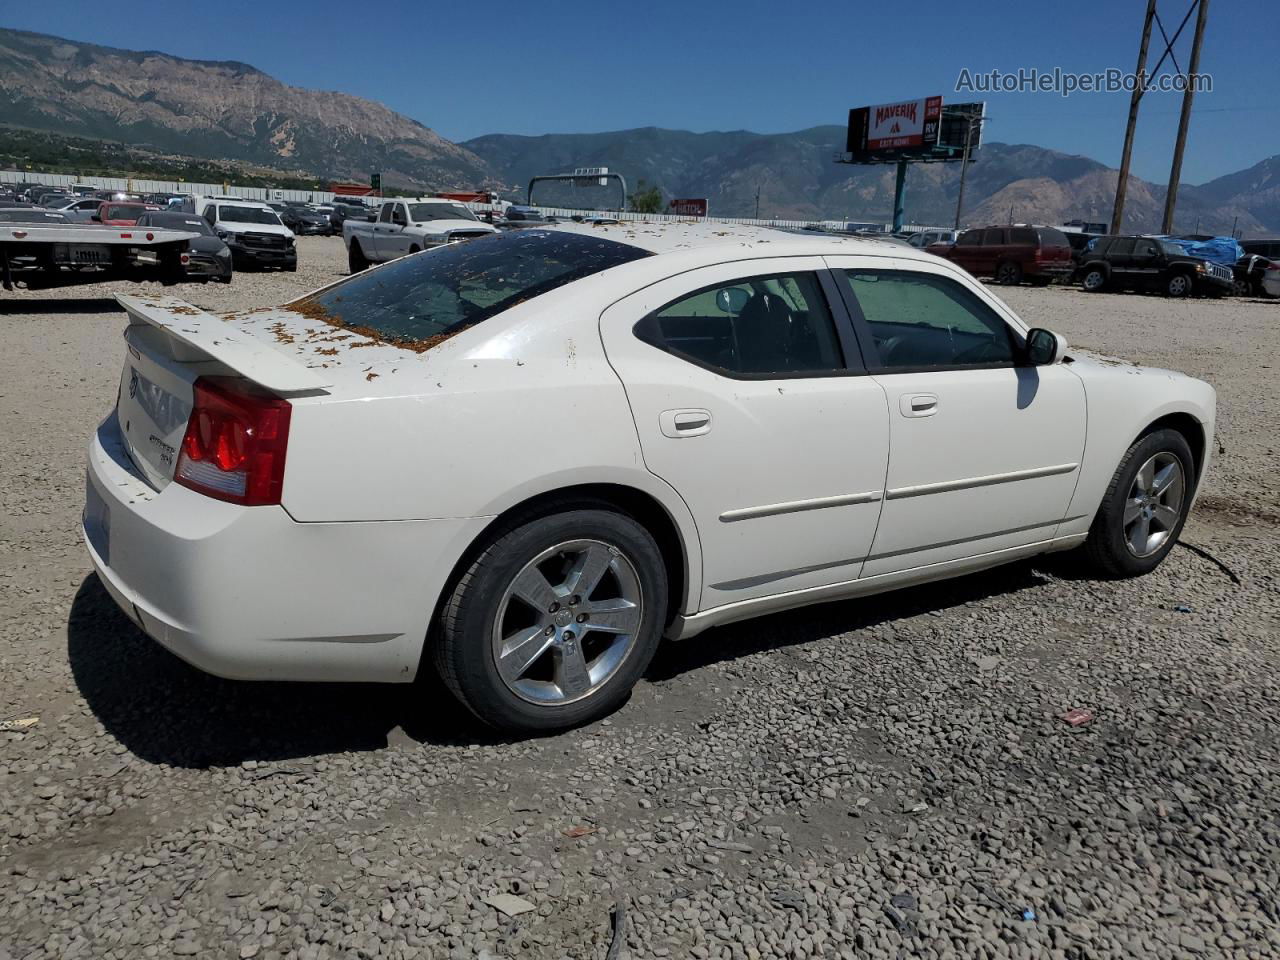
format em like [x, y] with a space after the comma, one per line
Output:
[1052, 238]
[419, 301]
[124, 213]
[1023, 236]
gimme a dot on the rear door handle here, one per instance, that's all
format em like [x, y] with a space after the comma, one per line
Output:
[918, 405]
[691, 422]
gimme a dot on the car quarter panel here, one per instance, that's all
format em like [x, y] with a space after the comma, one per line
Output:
[522, 405]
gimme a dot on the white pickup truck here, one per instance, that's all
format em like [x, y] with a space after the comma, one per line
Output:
[407, 226]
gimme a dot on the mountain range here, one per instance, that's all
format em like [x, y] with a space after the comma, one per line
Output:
[230, 111]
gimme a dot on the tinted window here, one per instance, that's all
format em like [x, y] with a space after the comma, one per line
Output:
[1148, 248]
[922, 320]
[384, 215]
[419, 300]
[1121, 246]
[122, 213]
[1052, 238]
[1024, 236]
[763, 325]
[970, 238]
[995, 236]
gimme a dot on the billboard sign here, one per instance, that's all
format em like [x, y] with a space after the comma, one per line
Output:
[690, 207]
[907, 127]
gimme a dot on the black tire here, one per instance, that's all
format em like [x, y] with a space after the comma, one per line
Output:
[1093, 280]
[356, 260]
[462, 645]
[1106, 550]
[414, 248]
[1009, 274]
[1241, 288]
[1179, 285]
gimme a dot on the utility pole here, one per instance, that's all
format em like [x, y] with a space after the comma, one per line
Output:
[964, 165]
[1122, 183]
[899, 195]
[757, 201]
[1184, 121]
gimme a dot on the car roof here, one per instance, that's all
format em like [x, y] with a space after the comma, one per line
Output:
[675, 236]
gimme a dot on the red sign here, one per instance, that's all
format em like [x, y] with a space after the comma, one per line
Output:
[690, 207]
[908, 124]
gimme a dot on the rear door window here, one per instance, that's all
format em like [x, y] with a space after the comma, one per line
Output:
[993, 237]
[1023, 236]
[775, 326]
[1121, 246]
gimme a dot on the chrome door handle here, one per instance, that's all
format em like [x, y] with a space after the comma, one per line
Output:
[691, 422]
[918, 405]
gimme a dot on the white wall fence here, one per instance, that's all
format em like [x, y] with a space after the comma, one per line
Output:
[136, 185]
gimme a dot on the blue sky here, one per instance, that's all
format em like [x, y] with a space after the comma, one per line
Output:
[466, 69]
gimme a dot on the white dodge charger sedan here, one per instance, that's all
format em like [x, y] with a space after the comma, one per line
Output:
[525, 458]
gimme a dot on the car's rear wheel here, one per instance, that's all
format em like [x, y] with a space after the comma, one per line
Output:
[1009, 274]
[1094, 280]
[554, 621]
[414, 248]
[1144, 507]
[1178, 285]
[356, 260]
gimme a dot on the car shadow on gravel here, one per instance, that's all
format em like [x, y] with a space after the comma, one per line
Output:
[61, 305]
[806, 624]
[166, 711]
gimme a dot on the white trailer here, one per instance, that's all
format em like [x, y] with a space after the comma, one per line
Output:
[39, 256]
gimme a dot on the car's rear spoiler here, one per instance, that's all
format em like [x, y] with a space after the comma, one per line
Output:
[210, 336]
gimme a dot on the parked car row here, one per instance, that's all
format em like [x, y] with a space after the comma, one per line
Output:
[1015, 253]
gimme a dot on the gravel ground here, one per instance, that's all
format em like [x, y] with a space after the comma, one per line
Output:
[887, 777]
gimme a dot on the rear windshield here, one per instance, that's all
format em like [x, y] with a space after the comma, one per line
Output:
[1050, 237]
[419, 301]
[124, 213]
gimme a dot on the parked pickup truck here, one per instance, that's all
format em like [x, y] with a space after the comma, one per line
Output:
[408, 226]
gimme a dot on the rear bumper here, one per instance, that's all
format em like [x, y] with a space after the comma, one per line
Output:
[250, 594]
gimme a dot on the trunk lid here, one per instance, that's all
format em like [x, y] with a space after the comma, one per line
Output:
[170, 343]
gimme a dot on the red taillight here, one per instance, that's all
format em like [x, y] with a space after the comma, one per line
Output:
[235, 442]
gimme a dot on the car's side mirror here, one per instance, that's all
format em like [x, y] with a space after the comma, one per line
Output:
[1044, 347]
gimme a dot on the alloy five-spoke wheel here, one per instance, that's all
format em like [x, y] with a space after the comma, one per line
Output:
[1144, 507]
[555, 619]
[567, 621]
[1154, 504]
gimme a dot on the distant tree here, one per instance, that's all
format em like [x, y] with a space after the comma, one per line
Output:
[646, 201]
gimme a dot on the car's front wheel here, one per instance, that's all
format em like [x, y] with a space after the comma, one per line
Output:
[555, 620]
[1144, 507]
[1178, 285]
